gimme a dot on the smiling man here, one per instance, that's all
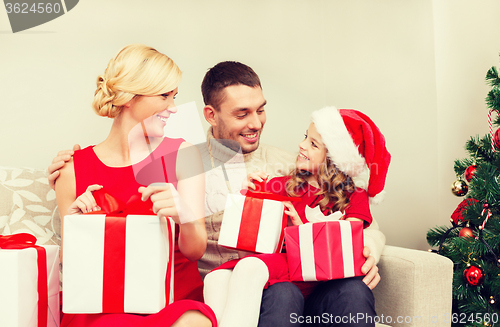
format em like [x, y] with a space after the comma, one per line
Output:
[234, 106]
[239, 117]
[235, 109]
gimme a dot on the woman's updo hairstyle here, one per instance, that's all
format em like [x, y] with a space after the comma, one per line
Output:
[136, 70]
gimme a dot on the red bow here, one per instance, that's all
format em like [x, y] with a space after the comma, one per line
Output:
[261, 193]
[113, 206]
[25, 241]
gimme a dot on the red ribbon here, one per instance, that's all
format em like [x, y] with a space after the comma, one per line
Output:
[113, 206]
[25, 241]
[261, 193]
[268, 196]
[251, 215]
[250, 222]
[113, 295]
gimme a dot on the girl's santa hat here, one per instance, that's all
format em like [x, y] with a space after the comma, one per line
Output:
[356, 146]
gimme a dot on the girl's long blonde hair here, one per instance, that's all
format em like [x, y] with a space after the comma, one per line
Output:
[136, 70]
[334, 185]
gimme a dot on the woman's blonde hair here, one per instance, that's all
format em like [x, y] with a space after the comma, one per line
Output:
[136, 70]
[334, 185]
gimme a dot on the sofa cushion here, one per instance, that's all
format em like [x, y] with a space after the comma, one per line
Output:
[28, 205]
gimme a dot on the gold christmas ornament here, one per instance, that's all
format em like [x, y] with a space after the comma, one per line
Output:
[459, 187]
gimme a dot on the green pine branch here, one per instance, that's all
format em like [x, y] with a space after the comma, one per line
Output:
[493, 99]
[492, 77]
[434, 235]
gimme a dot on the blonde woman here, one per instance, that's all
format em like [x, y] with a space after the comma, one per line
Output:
[137, 91]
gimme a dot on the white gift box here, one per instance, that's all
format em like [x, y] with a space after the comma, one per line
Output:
[148, 264]
[266, 234]
[19, 294]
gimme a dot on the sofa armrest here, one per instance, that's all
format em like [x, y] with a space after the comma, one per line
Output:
[415, 289]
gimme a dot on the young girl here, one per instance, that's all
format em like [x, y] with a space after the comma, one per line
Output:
[138, 89]
[342, 162]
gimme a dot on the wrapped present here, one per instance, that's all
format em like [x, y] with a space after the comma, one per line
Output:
[119, 260]
[325, 250]
[254, 221]
[30, 282]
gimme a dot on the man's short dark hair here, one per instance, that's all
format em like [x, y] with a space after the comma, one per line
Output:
[225, 74]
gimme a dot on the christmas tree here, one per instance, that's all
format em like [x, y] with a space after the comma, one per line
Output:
[473, 240]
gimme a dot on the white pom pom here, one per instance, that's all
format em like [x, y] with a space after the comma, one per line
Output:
[377, 199]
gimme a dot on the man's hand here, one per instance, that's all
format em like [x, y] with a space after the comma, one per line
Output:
[370, 270]
[58, 162]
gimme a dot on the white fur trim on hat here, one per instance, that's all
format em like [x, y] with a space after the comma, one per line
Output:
[341, 148]
[377, 199]
[362, 180]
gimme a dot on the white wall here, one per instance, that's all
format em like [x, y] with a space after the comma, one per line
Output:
[416, 67]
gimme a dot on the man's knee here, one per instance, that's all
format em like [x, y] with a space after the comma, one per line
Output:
[280, 302]
[284, 293]
[349, 290]
[283, 299]
[341, 299]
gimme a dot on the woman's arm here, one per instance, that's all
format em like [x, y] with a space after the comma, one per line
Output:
[65, 189]
[191, 188]
[65, 192]
[186, 203]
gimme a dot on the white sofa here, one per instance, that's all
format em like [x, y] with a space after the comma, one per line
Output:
[415, 289]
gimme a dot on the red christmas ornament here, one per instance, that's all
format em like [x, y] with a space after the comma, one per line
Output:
[458, 214]
[470, 172]
[474, 275]
[466, 232]
[496, 139]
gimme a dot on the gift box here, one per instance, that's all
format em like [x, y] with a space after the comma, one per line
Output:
[30, 282]
[118, 262]
[325, 250]
[252, 224]
[254, 220]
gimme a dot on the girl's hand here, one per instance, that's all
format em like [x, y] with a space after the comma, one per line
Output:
[255, 176]
[292, 213]
[85, 202]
